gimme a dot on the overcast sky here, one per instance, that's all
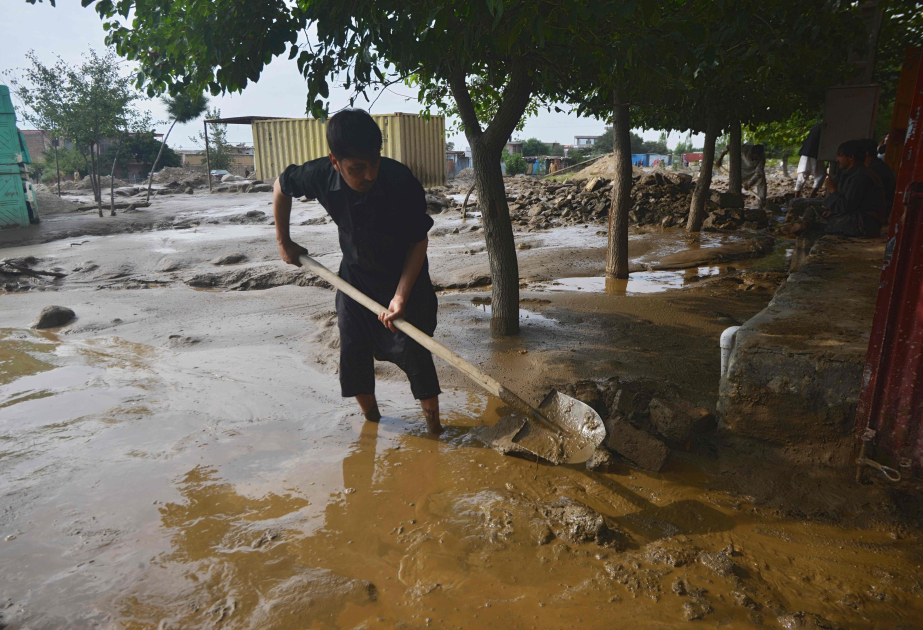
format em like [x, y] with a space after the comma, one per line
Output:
[69, 30]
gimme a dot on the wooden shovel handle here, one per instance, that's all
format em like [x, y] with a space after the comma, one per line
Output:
[490, 385]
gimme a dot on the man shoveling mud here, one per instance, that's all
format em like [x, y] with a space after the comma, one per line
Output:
[380, 210]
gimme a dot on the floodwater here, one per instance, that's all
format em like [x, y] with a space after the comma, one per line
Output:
[637, 283]
[228, 488]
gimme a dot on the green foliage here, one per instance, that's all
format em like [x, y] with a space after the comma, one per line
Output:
[184, 108]
[534, 146]
[901, 26]
[782, 137]
[219, 150]
[85, 103]
[604, 142]
[142, 148]
[69, 160]
[449, 146]
[684, 146]
[514, 163]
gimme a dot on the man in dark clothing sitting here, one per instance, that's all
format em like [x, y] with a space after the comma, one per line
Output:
[884, 172]
[859, 208]
[379, 208]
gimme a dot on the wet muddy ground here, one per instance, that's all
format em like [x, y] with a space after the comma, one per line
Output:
[179, 456]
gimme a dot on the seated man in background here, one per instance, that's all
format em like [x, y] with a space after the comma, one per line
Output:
[854, 205]
[884, 172]
[752, 168]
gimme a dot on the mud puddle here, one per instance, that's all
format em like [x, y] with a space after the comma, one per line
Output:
[640, 282]
[210, 488]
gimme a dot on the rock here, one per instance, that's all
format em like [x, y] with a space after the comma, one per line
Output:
[259, 188]
[576, 523]
[231, 178]
[600, 461]
[595, 184]
[696, 609]
[541, 532]
[727, 200]
[719, 562]
[756, 215]
[230, 259]
[643, 450]
[679, 421]
[54, 316]
[742, 599]
[189, 190]
[170, 264]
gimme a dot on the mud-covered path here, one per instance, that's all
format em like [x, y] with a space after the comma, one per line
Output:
[179, 457]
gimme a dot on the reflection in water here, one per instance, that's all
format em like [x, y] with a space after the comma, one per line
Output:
[638, 283]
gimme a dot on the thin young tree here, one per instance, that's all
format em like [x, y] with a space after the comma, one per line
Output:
[183, 109]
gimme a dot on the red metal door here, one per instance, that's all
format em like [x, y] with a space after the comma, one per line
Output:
[889, 417]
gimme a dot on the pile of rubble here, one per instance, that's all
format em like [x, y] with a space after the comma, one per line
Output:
[657, 198]
[436, 200]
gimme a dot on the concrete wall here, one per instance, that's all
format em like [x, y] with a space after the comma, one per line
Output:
[796, 369]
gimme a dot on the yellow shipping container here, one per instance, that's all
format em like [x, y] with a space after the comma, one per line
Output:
[408, 138]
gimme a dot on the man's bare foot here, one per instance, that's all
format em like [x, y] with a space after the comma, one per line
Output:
[372, 415]
[432, 422]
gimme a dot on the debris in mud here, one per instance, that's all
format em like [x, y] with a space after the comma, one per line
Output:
[658, 198]
[53, 317]
[696, 609]
[720, 562]
[253, 216]
[601, 461]
[230, 259]
[576, 523]
[17, 274]
[679, 420]
[635, 445]
[256, 279]
[437, 202]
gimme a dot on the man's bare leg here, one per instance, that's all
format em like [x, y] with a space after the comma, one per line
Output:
[369, 407]
[431, 411]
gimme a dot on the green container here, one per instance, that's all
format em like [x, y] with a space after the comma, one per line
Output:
[13, 210]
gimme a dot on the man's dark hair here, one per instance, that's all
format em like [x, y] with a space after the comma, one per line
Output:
[852, 149]
[870, 146]
[353, 134]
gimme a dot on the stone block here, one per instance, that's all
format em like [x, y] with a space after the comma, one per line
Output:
[638, 447]
[728, 200]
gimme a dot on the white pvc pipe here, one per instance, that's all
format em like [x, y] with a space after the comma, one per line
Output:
[728, 337]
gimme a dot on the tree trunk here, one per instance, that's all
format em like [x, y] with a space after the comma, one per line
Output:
[734, 159]
[700, 195]
[498, 235]
[118, 150]
[486, 149]
[785, 166]
[94, 180]
[617, 252]
[57, 169]
[150, 178]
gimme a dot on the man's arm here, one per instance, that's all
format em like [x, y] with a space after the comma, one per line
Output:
[282, 211]
[413, 263]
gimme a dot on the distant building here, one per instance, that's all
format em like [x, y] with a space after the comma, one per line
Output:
[241, 157]
[514, 148]
[585, 141]
[37, 142]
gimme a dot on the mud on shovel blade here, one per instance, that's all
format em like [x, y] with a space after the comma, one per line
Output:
[563, 430]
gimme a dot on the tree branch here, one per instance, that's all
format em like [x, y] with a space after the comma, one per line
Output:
[459, 86]
[514, 102]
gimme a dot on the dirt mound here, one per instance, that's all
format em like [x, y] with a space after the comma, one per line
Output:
[255, 279]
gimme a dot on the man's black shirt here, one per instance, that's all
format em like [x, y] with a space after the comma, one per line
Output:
[376, 229]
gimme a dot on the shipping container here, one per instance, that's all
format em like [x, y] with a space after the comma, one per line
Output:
[639, 159]
[408, 138]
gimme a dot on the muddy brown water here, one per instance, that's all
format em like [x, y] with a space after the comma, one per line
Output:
[144, 488]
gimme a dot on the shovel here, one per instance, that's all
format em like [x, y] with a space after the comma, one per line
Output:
[562, 430]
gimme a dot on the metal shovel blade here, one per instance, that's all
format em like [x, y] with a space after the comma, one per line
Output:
[582, 432]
